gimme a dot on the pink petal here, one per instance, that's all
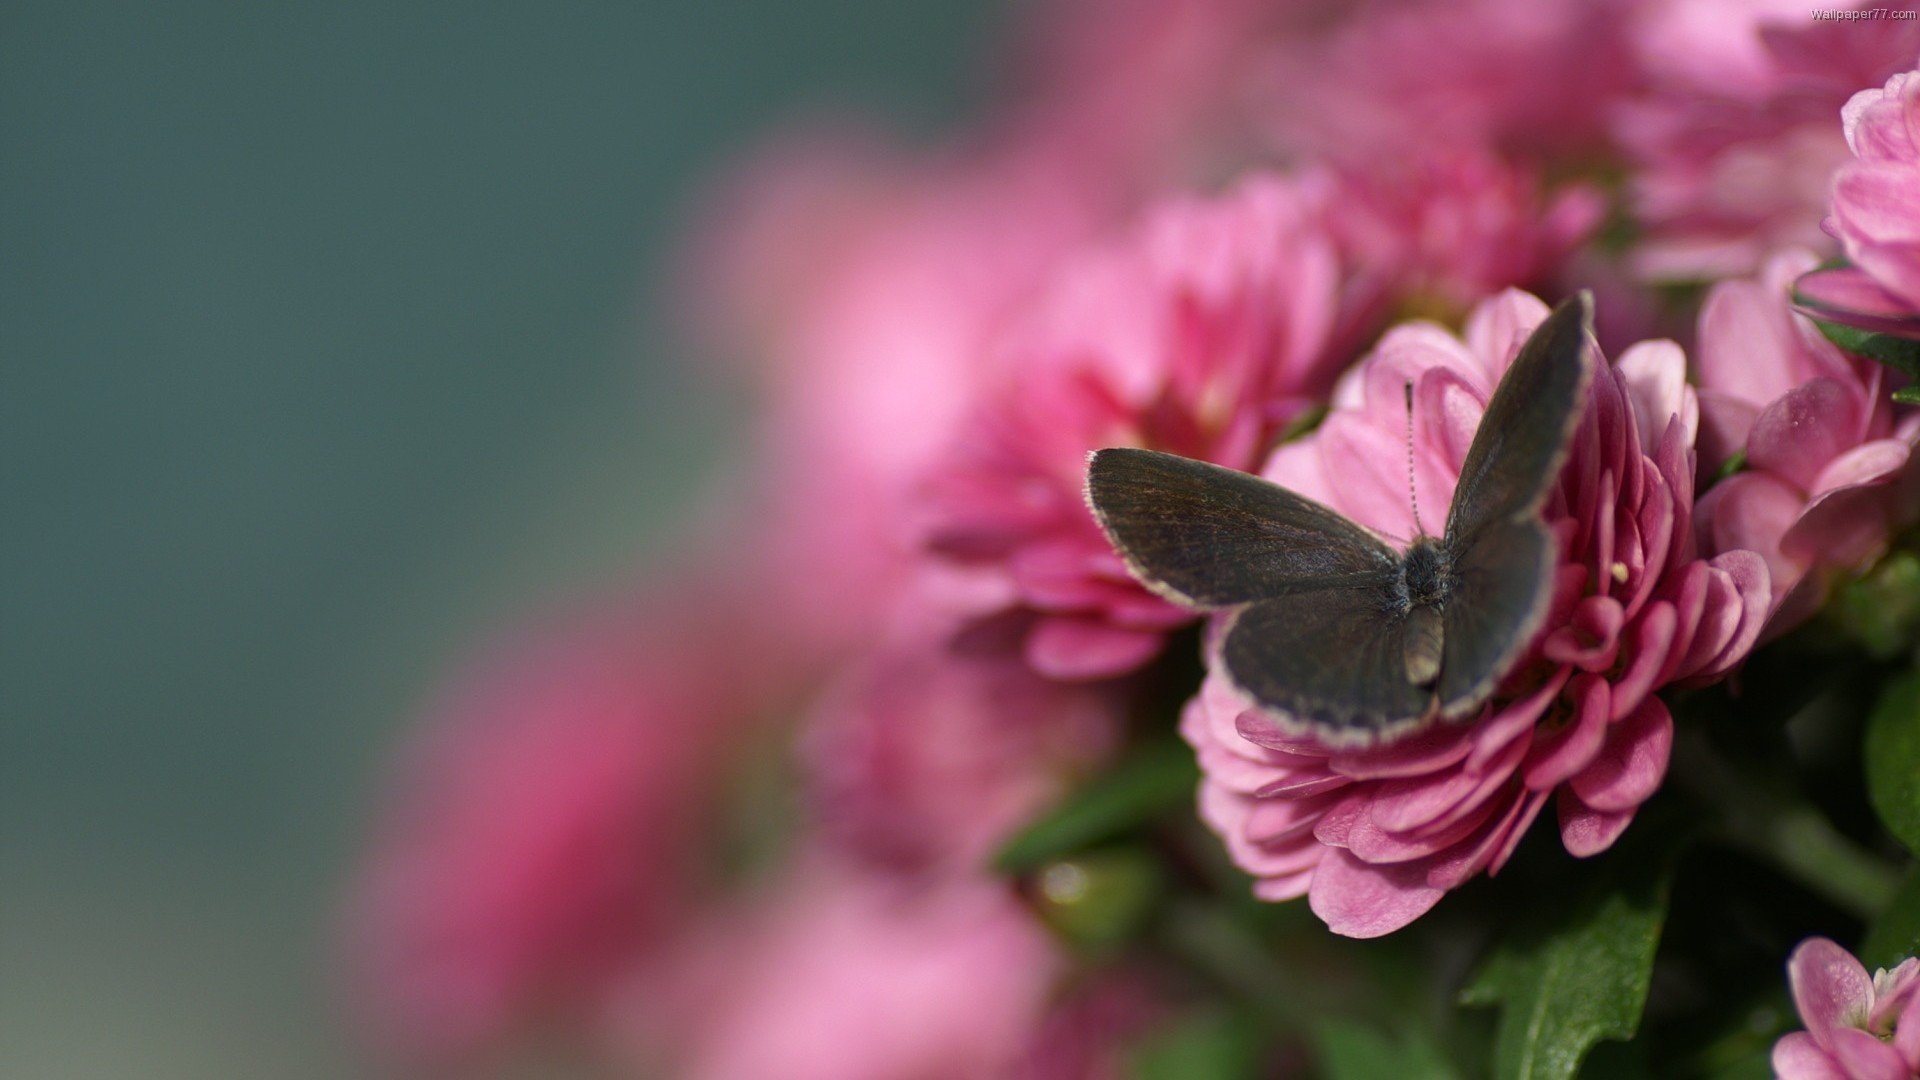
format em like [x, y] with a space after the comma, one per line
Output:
[1428, 752]
[1865, 1057]
[1556, 757]
[1753, 511]
[1804, 429]
[1649, 644]
[1742, 354]
[1846, 295]
[1584, 831]
[1493, 735]
[1072, 648]
[1284, 887]
[1591, 637]
[1359, 900]
[1630, 767]
[1436, 802]
[1798, 1057]
[1656, 377]
[1906, 1032]
[1831, 989]
[1876, 201]
[1868, 463]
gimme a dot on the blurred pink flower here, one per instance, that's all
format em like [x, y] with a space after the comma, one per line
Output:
[1734, 140]
[544, 825]
[1530, 78]
[1830, 473]
[1449, 228]
[1876, 197]
[883, 355]
[1374, 837]
[926, 758]
[1205, 335]
[835, 972]
[1859, 1027]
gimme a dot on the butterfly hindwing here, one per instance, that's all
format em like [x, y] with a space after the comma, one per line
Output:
[1208, 536]
[1331, 660]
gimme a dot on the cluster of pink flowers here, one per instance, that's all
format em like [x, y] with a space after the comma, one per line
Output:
[748, 831]
[1375, 837]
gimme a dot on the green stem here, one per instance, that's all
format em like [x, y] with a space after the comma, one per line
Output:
[1216, 943]
[1798, 840]
[1763, 816]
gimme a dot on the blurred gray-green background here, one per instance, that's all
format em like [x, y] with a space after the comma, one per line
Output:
[330, 337]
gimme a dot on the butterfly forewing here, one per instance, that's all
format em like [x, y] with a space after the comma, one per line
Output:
[1522, 440]
[1332, 659]
[1502, 584]
[1500, 551]
[1212, 537]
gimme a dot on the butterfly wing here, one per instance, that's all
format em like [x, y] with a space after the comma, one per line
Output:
[1331, 659]
[1501, 553]
[1211, 537]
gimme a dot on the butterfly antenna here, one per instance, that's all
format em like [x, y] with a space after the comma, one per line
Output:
[1413, 493]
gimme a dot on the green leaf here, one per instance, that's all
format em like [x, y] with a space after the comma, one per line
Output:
[1895, 935]
[1577, 972]
[1897, 353]
[1157, 779]
[1893, 759]
[1880, 609]
[1204, 1046]
[1353, 1051]
[1099, 898]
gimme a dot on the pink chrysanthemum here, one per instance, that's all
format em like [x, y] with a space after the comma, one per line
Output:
[1876, 214]
[1735, 141]
[542, 829]
[1858, 1026]
[1532, 78]
[1375, 837]
[1204, 337]
[1830, 472]
[835, 972]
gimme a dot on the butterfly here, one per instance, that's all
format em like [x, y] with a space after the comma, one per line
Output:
[1351, 640]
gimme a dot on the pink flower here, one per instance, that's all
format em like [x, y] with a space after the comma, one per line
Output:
[540, 829]
[838, 973]
[1533, 78]
[1858, 1027]
[1876, 197]
[887, 350]
[1734, 140]
[1207, 334]
[1374, 837]
[1830, 473]
[924, 758]
[1450, 228]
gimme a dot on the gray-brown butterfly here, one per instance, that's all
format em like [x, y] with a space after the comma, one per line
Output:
[1351, 639]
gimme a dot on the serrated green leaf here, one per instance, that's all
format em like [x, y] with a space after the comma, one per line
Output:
[1576, 973]
[1893, 759]
[1351, 1051]
[1157, 779]
[1205, 1046]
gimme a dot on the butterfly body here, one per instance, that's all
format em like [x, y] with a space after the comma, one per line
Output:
[1421, 594]
[1342, 635]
